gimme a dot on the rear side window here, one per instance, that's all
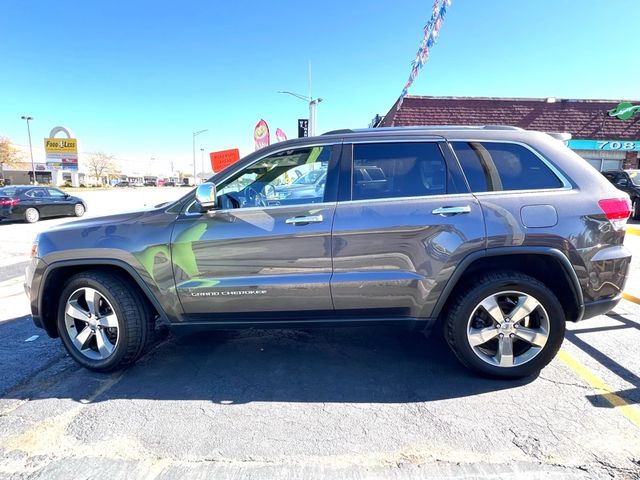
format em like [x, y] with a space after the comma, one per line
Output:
[387, 170]
[8, 191]
[37, 193]
[503, 166]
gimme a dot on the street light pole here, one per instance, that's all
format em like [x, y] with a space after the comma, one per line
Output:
[202, 163]
[195, 134]
[313, 103]
[33, 168]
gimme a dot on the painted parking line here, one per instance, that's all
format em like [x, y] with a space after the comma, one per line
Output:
[631, 298]
[601, 387]
[633, 229]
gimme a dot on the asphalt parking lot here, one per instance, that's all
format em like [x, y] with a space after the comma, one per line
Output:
[334, 403]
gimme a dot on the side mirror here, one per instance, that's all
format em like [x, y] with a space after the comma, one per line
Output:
[622, 182]
[206, 195]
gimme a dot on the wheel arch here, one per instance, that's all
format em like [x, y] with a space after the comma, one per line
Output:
[56, 275]
[548, 265]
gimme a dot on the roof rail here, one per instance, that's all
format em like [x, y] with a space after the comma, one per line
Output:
[500, 127]
[337, 132]
[423, 127]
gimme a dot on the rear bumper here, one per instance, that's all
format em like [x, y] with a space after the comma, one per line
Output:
[600, 307]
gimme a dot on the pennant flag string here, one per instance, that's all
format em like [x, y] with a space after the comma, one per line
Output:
[431, 31]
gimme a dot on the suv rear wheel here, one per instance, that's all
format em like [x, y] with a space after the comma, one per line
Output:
[102, 321]
[507, 325]
[635, 209]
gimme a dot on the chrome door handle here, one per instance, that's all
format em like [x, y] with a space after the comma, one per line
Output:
[451, 210]
[306, 219]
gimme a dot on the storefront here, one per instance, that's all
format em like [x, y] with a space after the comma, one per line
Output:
[21, 174]
[604, 132]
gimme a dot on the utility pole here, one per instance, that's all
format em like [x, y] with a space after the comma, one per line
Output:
[313, 103]
[195, 134]
[202, 164]
[33, 168]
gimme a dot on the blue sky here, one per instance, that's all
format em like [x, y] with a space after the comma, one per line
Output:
[136, 78]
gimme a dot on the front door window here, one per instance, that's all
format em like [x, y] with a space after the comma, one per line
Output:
[291, 177]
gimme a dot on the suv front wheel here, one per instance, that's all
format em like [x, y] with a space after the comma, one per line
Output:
[102, 321]
[506, 325]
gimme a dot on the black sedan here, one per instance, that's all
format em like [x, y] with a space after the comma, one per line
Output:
[31, 203]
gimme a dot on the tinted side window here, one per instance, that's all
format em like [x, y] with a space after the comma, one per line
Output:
[503, 166]
[55, 193]
[36, 193]
[388, 170]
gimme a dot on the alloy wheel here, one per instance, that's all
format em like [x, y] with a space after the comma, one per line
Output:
[91, 323]
[32, 215]
[508, 329]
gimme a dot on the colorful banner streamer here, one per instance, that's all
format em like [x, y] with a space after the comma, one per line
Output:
[431, 31]
[280, 135]
[261, 136]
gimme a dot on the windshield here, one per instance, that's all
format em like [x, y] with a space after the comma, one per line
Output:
[634, 175]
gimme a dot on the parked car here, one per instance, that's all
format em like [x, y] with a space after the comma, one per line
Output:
[628, 181]
[169, 184]
[31, 203]
[305, 186]
[498, 234]
[150, 183]
[123, 184]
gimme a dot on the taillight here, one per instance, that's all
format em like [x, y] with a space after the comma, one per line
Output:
[617, 210]
[9, 202]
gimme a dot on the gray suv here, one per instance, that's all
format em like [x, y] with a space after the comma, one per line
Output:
[498, 234]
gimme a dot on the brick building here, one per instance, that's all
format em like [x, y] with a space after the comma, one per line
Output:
[604, 132]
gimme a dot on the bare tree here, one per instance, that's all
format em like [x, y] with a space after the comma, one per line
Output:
[101, 165]
[9, 155]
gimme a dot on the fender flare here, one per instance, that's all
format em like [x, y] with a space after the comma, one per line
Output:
[501, 251]
[134, 275]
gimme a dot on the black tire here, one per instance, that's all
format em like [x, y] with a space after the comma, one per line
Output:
[31, 215]
[458, 320]
[133, 318]
[78, 209]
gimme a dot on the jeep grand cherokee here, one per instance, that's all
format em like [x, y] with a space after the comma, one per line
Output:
[500, 234]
